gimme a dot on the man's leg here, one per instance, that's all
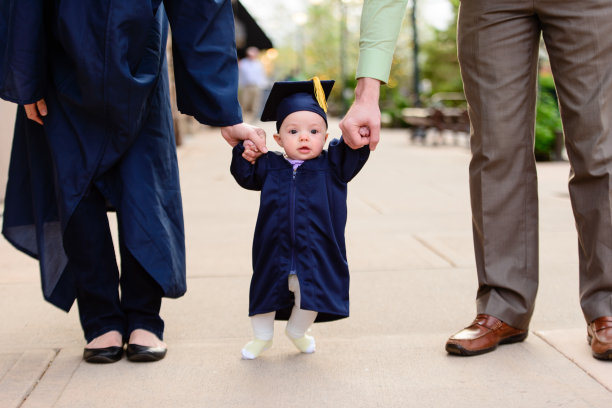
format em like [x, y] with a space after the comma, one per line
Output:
[498, 50]
[580, 50]
[498, 53]
[578, 36]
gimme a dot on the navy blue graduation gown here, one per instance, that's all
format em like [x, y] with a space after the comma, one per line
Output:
[101, 68]
[300, 227]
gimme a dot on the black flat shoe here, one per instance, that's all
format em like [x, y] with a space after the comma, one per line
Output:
[140, 353]
[103, 355]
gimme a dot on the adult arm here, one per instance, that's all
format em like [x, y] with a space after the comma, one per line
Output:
[380, 24]
[22, 55]
[206, 67]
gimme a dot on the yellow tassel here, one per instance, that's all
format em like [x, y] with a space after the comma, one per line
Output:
[319, 93]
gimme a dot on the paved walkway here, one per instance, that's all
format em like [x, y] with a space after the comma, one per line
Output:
[413, 284]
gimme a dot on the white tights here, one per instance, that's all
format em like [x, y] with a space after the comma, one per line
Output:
[299, 322]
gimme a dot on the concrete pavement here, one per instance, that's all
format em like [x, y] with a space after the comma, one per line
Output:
[7, 124]
[413, 284]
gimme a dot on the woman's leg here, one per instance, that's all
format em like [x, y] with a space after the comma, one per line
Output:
[91, 256]
[141, 297]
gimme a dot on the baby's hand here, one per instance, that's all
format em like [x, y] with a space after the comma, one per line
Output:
[251, 152]
[364, 133]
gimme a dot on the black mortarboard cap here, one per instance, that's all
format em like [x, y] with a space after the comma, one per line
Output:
[287, 97]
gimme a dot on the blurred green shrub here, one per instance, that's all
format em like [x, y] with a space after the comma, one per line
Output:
[391, 104]
[548, 121]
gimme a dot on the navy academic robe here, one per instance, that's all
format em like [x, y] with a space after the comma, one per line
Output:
[300, 227]
[101, 68]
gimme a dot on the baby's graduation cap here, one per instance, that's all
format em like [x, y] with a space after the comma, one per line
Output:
[287, 97]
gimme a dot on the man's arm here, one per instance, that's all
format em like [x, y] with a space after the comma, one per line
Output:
[380, 24]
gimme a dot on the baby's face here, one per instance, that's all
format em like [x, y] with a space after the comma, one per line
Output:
[302, 134]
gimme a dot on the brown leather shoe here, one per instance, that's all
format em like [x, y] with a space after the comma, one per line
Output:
[599, 335]
[483, 335]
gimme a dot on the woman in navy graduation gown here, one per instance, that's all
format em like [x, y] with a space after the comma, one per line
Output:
[92, 77]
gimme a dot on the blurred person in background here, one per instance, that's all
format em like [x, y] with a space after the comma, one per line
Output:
[251, 80]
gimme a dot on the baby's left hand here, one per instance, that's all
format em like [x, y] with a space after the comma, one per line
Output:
[251, 152]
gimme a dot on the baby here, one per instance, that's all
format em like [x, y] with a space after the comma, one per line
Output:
[300, 272]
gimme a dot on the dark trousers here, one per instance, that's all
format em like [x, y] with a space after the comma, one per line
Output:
[91, 256]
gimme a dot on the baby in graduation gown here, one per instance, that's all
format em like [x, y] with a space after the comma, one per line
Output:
[300, 271]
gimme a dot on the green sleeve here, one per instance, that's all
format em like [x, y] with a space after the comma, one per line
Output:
[380, 24]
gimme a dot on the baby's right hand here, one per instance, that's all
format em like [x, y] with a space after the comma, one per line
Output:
[251, 152]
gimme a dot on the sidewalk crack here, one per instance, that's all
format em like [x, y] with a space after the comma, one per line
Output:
[435, 250]
[567, 356]
[373, 206]
[33, 387]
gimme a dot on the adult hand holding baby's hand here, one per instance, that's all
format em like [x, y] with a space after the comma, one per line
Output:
[243, 131]
[361, 124]
[251, 152]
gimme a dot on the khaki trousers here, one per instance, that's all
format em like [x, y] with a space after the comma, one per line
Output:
[498, 53]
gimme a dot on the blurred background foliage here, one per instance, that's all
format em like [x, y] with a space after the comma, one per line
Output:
[548, 131]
